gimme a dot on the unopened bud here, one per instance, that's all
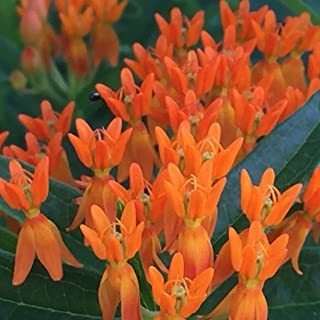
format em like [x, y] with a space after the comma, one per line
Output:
[30, 26]
[41, 7]
[31, 60]
[18, 80]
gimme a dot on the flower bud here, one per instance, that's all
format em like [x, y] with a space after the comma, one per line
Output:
[30, 26]
[18, 80]
[31, 60]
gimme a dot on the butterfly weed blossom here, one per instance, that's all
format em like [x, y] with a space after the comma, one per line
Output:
[116, 242]
[188, 110]
[38, 236]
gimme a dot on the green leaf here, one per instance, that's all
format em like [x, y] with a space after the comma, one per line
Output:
[73, 298]
[8, 240]
[296, 297]
[145, 289]
[292, 150]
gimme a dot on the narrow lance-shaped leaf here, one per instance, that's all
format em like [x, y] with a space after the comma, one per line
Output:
[40, 298]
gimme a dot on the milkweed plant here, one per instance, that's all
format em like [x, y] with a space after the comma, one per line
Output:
[198, 196]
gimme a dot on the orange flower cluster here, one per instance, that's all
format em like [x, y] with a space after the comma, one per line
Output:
[79, 19]
[194, 115]
[44, 138]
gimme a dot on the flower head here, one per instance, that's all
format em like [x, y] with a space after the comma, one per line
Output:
[188, 153]
[264, 202]
[50, 122]
[100, 149]
[194, 201]
[131, 102]
[174, 31]
[38, 236]
[105, 42]
[255, 261]
[116, 242]
[149, 206]
[302, 222]
[26, 191]
[35, 151]
[179, 297]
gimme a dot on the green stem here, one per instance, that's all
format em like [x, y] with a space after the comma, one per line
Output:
[58, 79]
[148, 314]
[41, 84]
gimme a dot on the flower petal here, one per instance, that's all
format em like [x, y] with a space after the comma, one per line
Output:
[25, 254]
[47, 247]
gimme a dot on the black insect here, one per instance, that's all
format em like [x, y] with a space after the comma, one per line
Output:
[94, 96]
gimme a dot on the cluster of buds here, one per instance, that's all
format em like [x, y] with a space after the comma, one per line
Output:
[84, 39]
[204, 110]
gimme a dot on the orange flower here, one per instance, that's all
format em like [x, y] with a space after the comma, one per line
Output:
[131, 103]
[3, 137]
[149, 208]
[105, 42]
[296, 33]
[295, 36]
[255, 261]
[250, 117]
[301, 222]
[145, 63]
[38, 236]
[99, 150]
[179, 297]
[311, 195]
[50, 122]
[173, 31]
[264, 202]
[192, 110]
[188, 154]
[222, 265]
[58, 165]
[296, 99]
[116, 242]
[242, 19]
[192, 75]
[193, 200]
[76, 20]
